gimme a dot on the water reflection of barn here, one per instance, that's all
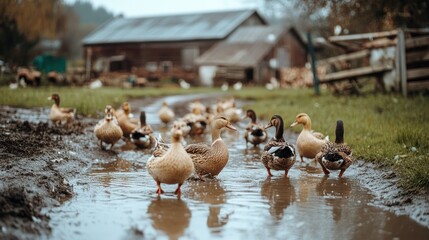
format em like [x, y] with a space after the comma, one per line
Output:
[203, 48]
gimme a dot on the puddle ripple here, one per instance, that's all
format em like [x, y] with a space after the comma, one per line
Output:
[117, 200]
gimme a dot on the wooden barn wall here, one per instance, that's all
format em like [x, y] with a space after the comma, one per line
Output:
[139, 54]
[297, 53]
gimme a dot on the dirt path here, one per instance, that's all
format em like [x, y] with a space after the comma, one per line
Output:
[37, 161]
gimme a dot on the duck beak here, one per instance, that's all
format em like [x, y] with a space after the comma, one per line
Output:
[231, 127]
[49, 98]
[268, 125]
[294, 124]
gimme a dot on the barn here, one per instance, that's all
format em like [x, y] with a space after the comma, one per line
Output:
[252, 54]
[184, 46]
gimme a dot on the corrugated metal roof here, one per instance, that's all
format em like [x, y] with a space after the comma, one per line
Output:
[197, 26]
[244, 48]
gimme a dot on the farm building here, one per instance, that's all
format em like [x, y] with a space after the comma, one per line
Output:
[252, 54]
[175, 46]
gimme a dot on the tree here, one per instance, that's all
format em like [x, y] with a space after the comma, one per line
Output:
[24, 22]
[359, 16]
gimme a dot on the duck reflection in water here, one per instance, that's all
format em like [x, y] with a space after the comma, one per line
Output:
[170, 216]
[211, 192]
[336, 192]
[280, 194]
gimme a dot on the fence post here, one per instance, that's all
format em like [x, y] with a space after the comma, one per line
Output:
[313, 64]
[402, 62]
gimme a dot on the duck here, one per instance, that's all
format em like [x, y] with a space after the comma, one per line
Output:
[308, 144]
[185, 126]
[197, 120]
[172, 166]
[165, 114]
[197, 106]
[59, 115]
[126, 125]
[125, 112]
[254, 133]
[335, 155]
[142, 136]
[107, 130]
[278, 154]
[123, 119]
[209, 160]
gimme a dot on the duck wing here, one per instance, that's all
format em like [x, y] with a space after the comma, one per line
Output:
[67, 110]
[198, 148]
[281, 150]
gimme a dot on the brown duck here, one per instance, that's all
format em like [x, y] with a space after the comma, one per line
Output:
[254, 133]
[172, 166]
[107, 130]
[210, 160]
[142, 136]
[59, 115]
[278, 154]
[336, 155]
[308, 144]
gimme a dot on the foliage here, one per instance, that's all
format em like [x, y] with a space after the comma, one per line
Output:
[359, 16]
[354, 16]
[87, 14]
[21, 27]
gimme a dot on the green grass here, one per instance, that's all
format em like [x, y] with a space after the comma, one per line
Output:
[87, 101]
[386, 129]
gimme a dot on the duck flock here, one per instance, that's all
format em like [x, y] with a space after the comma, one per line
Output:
[175, 162]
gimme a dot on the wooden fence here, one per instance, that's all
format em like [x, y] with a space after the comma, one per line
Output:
[399, 60]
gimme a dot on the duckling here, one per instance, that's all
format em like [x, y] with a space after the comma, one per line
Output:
[308, 144]
[210, 160]
[278, 154]
[142, 136]
[254, 133]
[173, 166]
[107, 130]
[59, 115]
[336, 156]
[165, 114]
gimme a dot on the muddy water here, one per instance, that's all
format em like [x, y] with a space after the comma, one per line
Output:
[116, 199]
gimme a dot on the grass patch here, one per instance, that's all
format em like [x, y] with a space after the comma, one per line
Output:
[387, 129]
[87, 101]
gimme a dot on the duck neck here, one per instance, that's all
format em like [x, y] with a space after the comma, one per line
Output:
[339, 132]
[279, 129]
[307, 125]
[57, 101]
[215, 134]
[252, 116]
[142, 119]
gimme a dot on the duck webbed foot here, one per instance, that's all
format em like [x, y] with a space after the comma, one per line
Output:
[159, 190]
[178, 191]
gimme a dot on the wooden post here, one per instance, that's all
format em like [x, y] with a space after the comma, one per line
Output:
[402, 62]
[88, 64]
[313, 64]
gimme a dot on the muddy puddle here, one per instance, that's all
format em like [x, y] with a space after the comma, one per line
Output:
[116, 199]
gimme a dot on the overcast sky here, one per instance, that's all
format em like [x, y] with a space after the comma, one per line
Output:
[136, 8]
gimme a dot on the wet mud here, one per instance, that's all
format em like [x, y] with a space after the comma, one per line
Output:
[56, 183]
